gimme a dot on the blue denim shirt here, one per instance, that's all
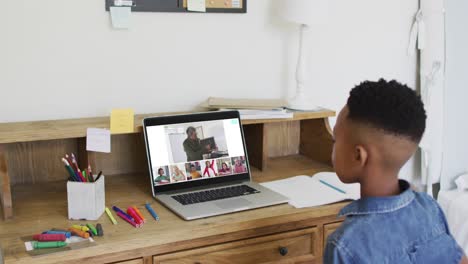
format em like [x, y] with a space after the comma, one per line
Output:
[406, 228]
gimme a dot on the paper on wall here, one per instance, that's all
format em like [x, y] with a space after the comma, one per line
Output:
[196, 5]
[120, 16]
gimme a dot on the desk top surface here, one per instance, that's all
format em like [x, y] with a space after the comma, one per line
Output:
[76, 128]
[41, 207]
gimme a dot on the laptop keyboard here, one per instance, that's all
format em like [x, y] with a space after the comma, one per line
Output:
[215, 194]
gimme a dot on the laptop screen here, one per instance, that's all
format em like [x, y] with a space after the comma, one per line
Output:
[195, 152]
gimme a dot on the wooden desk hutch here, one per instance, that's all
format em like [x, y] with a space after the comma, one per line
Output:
[33, 196]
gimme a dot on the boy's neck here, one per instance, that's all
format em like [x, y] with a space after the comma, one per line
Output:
[379, 185]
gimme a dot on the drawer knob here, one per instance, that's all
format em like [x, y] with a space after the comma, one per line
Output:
[283, 251]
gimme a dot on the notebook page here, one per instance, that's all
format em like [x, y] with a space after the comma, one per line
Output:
[304, 191]
[353, 190]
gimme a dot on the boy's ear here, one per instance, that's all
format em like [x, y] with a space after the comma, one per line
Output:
[360, 155]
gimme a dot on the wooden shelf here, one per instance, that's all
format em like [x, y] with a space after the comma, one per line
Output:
[44, 206]
[30, 152]
[76, 128]
[297, 117]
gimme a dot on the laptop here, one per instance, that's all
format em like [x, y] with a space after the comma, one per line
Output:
[195, 179]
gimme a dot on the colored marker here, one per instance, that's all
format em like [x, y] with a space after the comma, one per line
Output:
[100, 231]
[111, 217]
[49, 237]
[79, 232]
[57, 244]
[152, 212]
[90, 173]
[333, 187]
[128, 220]
[92, 228]
[118, 210]
[66, 233]
[80, 227]
[139, 214]
[84, 175]
[133, 214]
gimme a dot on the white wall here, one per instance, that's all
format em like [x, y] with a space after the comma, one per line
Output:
[61, 59]
[456, 93]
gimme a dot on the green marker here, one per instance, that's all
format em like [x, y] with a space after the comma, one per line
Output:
[92, 228]
[54, 244]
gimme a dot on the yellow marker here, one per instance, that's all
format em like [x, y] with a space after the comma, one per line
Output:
[122, 121]
[109, 213]
[80, 227]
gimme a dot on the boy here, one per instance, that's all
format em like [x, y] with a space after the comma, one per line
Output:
[376, 133]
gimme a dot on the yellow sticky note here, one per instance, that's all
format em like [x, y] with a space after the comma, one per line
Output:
[122, 121]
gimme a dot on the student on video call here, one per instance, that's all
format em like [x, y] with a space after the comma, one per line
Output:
[178, 175]
[193, 147]
[161, 177]
[194, 173]
[209, 169]
[225, 169]
[239, 167]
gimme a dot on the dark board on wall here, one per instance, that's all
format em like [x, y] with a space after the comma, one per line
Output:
[212, 6]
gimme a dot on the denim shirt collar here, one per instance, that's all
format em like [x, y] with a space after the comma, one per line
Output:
[379, 205]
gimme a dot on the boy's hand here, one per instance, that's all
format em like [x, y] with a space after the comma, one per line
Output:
[464, 260]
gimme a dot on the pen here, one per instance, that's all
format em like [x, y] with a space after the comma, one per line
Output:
[331, 186]
[152, 212]
[98, 176]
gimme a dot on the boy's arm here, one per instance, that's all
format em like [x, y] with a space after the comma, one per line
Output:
[335, 254]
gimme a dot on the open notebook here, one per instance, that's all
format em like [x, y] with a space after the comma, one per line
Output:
[307, 191]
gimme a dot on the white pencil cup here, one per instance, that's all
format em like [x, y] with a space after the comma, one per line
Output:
[86, 200]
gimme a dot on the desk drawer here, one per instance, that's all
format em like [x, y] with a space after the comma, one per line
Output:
[291, 247]
[133, 261]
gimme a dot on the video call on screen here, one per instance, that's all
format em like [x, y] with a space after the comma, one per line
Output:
[196, 151]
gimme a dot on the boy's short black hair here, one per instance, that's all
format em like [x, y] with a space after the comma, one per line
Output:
[391, 106]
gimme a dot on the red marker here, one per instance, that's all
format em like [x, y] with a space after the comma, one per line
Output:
[135, 216]
[127, 219]
[50, 237]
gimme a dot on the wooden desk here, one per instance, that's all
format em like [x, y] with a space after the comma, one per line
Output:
[33, 196]
[248, 237]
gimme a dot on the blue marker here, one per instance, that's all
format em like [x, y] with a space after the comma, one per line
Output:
[333, 187]
[152, 212]
[115, 208]
[67, 234]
